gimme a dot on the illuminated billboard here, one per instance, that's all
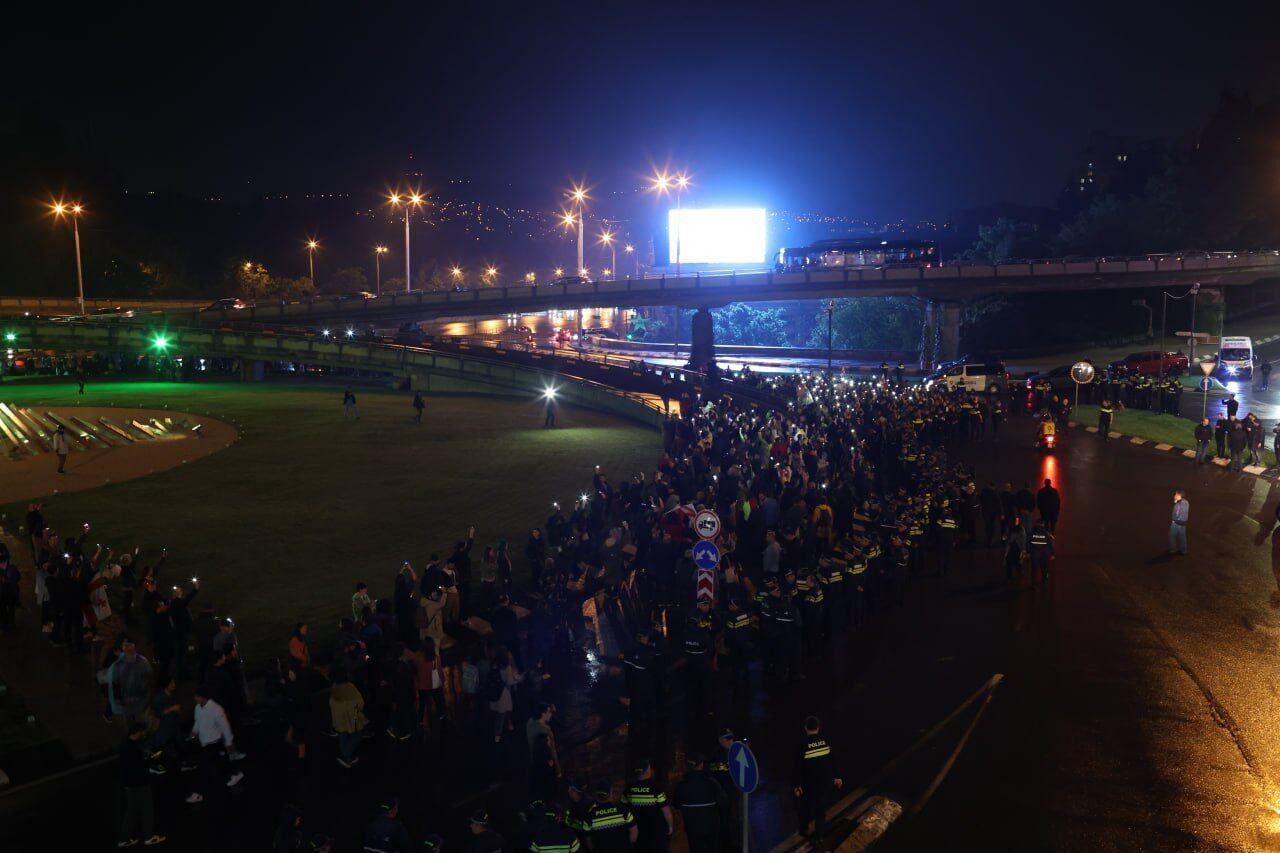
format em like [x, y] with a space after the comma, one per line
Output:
[717, 235]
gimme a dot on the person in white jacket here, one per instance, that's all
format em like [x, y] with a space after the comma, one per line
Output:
[61, 447]
[217, 744]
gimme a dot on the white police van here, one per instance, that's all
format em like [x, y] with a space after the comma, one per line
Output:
[1236, 358]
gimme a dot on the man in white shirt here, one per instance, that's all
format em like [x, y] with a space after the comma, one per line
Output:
[61, 447]
[213, 732]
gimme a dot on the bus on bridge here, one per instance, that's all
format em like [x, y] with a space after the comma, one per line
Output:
[858, 252]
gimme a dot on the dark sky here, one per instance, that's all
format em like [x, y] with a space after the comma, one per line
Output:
[883, 110]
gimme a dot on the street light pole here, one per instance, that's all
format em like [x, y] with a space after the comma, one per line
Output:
[378, 252]
[60, 210]
[311, 260]
[75, 230]
[412, 200]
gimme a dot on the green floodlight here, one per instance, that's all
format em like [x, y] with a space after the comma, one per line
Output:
[160, 342]
[10, 337]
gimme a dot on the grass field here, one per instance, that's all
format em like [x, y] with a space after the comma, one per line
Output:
[1165, 429]
[281, 525]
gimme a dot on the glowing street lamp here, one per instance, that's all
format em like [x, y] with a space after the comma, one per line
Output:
[378, 252]
[606, 237]
[73, 212]
[489, 274]
[410, 201]
[579, 197]
[662, 183]
[631, 250]
[530, 277]
[559, 271]
[312, 245]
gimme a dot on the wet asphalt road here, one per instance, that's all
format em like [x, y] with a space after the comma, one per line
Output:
[1136, 712]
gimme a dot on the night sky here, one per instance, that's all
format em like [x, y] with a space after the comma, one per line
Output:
[885, 110]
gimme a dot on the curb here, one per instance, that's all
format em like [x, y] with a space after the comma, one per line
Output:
[1271, 474]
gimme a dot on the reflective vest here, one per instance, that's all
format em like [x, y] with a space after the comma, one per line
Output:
[643, 794]
[947, 523]
[816, 748]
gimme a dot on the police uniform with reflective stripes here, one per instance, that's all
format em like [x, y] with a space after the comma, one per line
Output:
[646, 802]
[554, 837]
[814, 774]
[608, 827]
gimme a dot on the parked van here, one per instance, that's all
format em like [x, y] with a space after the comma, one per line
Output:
[1236, 358]
[972, 376]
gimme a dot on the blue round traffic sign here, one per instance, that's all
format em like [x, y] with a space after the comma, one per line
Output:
[705, 554]
[1206, 384]
[743, 769]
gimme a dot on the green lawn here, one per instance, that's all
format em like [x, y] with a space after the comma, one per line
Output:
[1165, 429]
[281, 525]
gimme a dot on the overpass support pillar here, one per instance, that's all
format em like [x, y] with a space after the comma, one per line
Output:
[702, 347]
[252, 370]
[940, 335]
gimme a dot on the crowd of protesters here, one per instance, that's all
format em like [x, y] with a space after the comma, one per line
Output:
[832, 504]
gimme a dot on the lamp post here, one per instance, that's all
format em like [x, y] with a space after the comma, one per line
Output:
[378, 252]
[456, 273]
[631, 250]
[410, 201]
[579, 198]
[312, 245]
[73, 211]
[1165, 296]
[606, 237]
[662, 184]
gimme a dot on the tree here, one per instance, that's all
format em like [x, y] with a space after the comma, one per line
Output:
[431, 275]
[393, 285]
[248, 280]
[890, 322]
[744, 324]
[1115, 225]
[293, 288]
[346, 280]
[1006, 239]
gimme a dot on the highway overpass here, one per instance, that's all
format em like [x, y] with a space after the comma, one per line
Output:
[943, 288]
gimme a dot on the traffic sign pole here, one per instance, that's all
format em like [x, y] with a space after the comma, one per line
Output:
[746, 823]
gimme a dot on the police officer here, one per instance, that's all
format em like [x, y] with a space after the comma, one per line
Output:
[737, 645]
[610, 827]
[814, 777]
[386, 833]
[1040, 546]
[638, 665]
[552, 836]
[786, 622]
[579, 805]
[946, 537]
[1105, 413]
[702, 804]
[699, 652]
[811, 608]
[484, 839]
[648, 802]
